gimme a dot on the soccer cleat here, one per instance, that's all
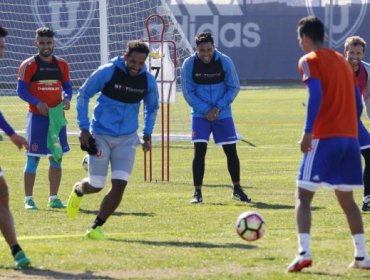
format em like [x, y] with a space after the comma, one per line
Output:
[239, 194]
[366, 206]
[197, 197]
[361, 264]
[21, 260]
[56, 204]
[73, 204]
[300, 262]
[96, 233]
[30, 204]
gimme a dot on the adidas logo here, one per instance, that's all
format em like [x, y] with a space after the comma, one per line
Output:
[316, 178]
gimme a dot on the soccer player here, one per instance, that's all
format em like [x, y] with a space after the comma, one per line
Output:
[43, 82]
[354, 51]
[112, 138]
[210, 84]
[331, 151]
[6, 218]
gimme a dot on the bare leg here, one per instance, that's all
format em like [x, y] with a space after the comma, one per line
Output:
[351, 210]
[112, 199]
[6, 219]
[55, 176]
[303, 210]
[29, 182]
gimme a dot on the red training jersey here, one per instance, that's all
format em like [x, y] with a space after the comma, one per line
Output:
[337, 116]
[45, 79]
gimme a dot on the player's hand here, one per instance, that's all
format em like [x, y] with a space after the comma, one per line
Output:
[146, 143]
[306, 142]
[84, 137]
[43, 108]
[19, 141]
[212, 114]
[66, 104]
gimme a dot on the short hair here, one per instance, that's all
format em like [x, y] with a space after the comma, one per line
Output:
[137, 46]
[354, 41]
[204, 37]
[44, 32]
[3, 32]
[312, 27]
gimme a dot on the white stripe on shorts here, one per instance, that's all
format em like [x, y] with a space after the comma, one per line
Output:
[309, 161]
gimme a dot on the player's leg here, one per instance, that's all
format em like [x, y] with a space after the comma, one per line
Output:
[122, 162]
[224, 133]
[7, 227]
[55, 172]
[312, 172]
[351, 177]
[55, 177]
[200, 136]
[98, 171]
[364, 140]
[36, 134]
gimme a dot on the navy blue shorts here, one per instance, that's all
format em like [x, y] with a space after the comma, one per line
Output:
[223, 131]
[332, 163]
[363, 136]
[36, 134]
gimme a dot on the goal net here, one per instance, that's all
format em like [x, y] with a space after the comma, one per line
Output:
[88, 34]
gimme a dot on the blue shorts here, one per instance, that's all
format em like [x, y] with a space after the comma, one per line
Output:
[363, 136]
[223, 131]
[36, 134]
[334, 163]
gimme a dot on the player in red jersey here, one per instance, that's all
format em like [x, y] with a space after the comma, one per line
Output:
[354, 51]
[331, 151]
[43, 82]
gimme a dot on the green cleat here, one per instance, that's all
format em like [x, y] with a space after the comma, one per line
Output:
[73, 205]
[96, 234]
[56, 204]
[29, 204]
[21, 260]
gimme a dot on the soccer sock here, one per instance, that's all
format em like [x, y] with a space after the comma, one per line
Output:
[359, 241]
[98, 222]
[26, 198]
[304, 243]
[52, 197]
[15, 249]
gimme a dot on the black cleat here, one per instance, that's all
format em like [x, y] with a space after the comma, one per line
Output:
[197, 197]
[239, 194]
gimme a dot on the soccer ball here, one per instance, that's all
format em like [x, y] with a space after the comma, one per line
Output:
[85, 162]
[250, 226]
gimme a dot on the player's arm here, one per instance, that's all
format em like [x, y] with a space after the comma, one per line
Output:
[94, 84]
[66, 84]
[231, 82]
[18, 140]
[151, 106]
[188, 89]
[313, 107]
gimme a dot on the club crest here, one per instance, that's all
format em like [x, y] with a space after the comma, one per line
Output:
[69, 19]
[343, 25]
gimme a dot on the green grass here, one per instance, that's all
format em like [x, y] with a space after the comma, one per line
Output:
[157, 234]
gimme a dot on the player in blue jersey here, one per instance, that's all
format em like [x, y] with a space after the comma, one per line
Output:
[111, 137]
[210, 84]
[354, 51]
[6, 218]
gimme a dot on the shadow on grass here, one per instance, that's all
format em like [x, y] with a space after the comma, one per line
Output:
[53, 274]
[262, 205]
[136, 214]
[187, 244]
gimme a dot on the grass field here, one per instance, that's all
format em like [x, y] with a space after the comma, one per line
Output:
[157, 234]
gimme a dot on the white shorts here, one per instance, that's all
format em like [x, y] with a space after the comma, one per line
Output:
[119, 152]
